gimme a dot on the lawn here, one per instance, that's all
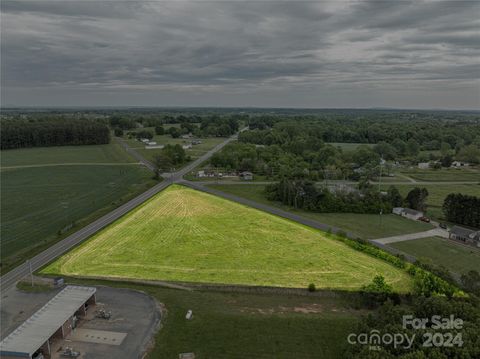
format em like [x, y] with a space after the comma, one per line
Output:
[367, 226]
[194, 152]
[111, 153]
[437, 194]
[238, 326]
[186, 235]
[444, 174]
[440, 251]
[42, 204]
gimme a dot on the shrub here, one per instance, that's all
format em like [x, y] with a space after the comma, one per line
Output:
[159, 130]
[118, 132]
[311, 287]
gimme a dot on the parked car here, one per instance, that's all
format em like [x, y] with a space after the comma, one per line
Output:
[424, 219]
[443, 225]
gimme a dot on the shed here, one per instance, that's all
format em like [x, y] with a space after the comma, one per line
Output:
[246, 176]
[54, 320]
[412, 213]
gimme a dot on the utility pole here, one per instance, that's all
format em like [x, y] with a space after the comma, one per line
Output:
[380, 179]
[29, 263]
[379, 187]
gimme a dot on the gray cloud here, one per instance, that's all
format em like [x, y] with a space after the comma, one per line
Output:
[228, 53]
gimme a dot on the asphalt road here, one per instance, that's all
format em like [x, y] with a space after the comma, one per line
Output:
[9, 279]
[135, 154]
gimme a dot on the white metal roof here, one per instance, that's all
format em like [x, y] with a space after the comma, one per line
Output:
[37, 329]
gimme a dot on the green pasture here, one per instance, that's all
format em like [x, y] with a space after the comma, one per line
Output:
[110, 153]
[186, 235]
[38, 202]
[454, 256]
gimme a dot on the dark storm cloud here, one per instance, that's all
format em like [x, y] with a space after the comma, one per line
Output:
[316, 54]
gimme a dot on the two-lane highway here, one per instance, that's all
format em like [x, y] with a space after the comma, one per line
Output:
[10, 278]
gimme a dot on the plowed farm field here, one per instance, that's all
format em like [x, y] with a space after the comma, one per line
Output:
[186, 235]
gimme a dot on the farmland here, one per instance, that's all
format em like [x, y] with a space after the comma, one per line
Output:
[439, 251]
[111, 153]
[367, 226]
[49, 192]
[185, 235]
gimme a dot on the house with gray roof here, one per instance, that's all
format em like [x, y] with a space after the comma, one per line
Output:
[465, 235]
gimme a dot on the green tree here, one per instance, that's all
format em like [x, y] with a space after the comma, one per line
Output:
[163, 163]
[445, 148]
[394, 196]
[174, 132]
[413, 147]
[416, 198]
[469, 154]
[378, 285]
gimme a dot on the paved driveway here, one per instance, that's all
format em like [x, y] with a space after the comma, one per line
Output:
[436, 232]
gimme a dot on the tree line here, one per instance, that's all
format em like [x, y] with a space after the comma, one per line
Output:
[462, 209]
[393, 139]
[52, 132]
[308, 196]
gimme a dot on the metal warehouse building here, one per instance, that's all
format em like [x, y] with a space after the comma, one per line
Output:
[55, 320]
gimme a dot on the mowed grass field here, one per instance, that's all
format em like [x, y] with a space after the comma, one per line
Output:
[47, 190]
[367, 226]
[186, 235]
[456, 257]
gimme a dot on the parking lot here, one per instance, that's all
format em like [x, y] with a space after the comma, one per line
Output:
[126, 335]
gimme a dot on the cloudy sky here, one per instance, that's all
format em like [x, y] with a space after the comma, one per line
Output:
[418, 54]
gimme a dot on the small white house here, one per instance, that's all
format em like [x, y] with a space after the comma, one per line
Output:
[151, 143]
[412, 214]
[397, 210]
[153, 147]
[458, 164]
[144, 140]
[246, 176]
[187, 146]
[424, 165]
[407, 213]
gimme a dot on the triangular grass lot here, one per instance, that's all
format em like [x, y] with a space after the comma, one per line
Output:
[185, 235]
